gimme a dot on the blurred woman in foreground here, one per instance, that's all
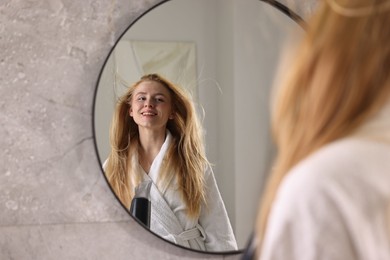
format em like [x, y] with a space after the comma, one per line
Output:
[328, 195]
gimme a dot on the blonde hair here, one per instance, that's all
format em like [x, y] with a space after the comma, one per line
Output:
[185, 158]
[339, 78]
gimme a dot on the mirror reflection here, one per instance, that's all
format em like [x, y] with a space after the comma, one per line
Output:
[157, 149]
[214, 62]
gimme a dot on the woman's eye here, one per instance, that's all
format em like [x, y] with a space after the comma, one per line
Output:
[159, 99]
[141, 98]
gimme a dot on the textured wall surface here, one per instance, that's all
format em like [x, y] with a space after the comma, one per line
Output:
[54, 201]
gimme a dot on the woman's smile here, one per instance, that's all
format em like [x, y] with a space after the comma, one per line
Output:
[148, 113]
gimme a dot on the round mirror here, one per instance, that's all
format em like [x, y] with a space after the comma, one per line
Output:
[226, 54]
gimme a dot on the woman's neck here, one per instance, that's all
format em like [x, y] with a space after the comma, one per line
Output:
[150, 143]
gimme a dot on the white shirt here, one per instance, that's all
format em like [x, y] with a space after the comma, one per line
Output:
[213, 217]
[335, 204]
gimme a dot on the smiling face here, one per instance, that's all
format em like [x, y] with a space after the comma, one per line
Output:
[151, 106]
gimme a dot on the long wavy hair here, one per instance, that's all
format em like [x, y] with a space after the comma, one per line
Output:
[339, 78]
[185, 158]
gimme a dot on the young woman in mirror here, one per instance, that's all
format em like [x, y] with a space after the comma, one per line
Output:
[156, 137]
[328, 195]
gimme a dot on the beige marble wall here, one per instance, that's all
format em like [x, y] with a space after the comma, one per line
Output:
[54, 201]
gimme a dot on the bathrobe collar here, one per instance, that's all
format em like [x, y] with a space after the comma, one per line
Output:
[155, 168]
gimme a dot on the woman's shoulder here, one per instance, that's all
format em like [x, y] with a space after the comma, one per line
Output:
[104, 165]
[344, 167]
[345, 155]
[340, 190]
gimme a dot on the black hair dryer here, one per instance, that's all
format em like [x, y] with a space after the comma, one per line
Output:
[140, 205]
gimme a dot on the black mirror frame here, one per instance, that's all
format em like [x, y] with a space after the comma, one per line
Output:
[281, 7]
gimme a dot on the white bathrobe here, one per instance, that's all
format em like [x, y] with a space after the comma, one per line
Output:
[211, 232]
[335, 204]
